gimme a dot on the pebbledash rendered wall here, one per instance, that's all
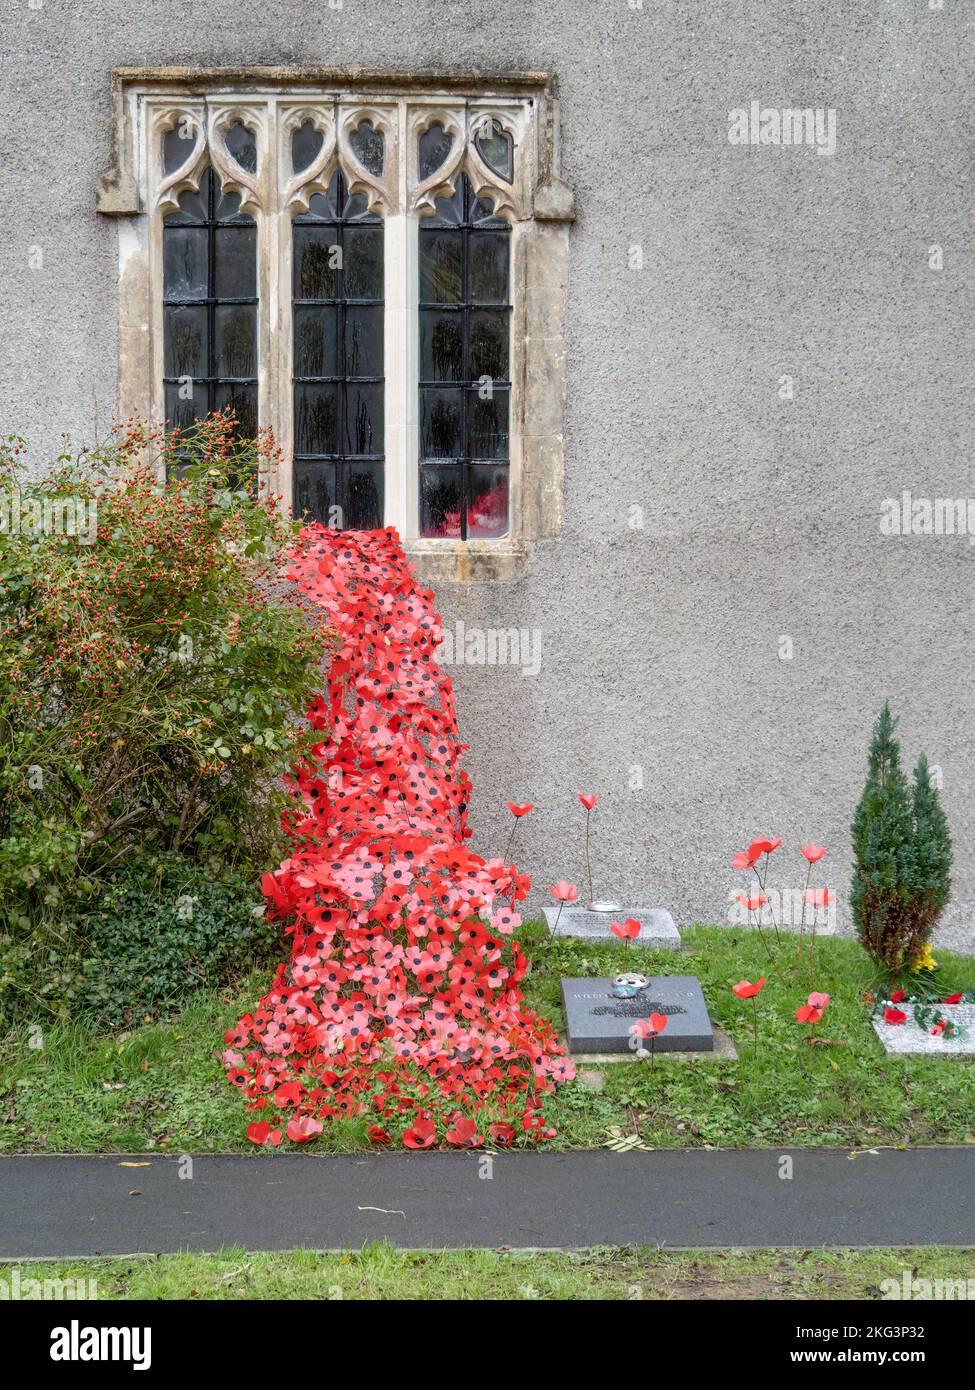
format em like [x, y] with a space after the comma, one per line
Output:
[765, 342]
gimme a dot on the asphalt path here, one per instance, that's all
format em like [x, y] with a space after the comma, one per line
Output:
[115, 1204]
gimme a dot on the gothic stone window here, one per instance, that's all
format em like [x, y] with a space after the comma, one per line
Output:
[353, 262]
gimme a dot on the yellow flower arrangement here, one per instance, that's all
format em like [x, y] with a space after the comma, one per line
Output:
[925, 960]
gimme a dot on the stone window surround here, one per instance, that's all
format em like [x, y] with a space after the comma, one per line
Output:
[272, 101]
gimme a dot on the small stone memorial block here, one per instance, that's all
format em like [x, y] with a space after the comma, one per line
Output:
[657, 929]
[596, 1022]
[908, 1040]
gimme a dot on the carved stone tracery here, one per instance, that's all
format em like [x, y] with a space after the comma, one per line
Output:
[380, 189]
[273, 120]
[251, 187]
[190, 121]
[298, 188]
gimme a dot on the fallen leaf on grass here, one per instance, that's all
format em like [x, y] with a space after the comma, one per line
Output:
[621, 1143]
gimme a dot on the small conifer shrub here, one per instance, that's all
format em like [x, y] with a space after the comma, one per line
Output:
[902, 855]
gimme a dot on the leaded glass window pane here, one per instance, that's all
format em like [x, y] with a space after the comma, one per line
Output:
[465, 331]
[434, 146]
[339, 386]
[242, 145]
[497, 149]
[306, 142]
[210, 307]
[368, 146]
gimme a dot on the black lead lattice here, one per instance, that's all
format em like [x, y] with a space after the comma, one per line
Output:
[210, 308]
[465, 325]
[339, 382]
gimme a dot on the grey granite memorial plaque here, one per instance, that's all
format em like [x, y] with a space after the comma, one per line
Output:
[595, 1022]
[657, 929]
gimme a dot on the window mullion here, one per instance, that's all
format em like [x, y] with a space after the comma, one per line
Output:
[274, 389]
[212, 185]
[402, 352]
[465, 369]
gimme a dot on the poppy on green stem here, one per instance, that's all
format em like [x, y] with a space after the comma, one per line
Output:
[563, 893]
[626, 931]
[650, 1028]
[808, 1013]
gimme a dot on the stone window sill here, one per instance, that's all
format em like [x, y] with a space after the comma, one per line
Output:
[462, 562]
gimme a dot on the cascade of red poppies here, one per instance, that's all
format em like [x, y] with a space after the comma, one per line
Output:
[401, 998]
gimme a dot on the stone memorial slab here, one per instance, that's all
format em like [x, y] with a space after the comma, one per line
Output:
[596, 1023]
[657, 928]
[908, 1040]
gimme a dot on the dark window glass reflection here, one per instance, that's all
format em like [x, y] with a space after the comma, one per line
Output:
[210, 304]
[464, 406]
[338, 306]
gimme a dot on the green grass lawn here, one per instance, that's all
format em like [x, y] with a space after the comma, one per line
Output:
[161, 1087]
[632, 1274]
